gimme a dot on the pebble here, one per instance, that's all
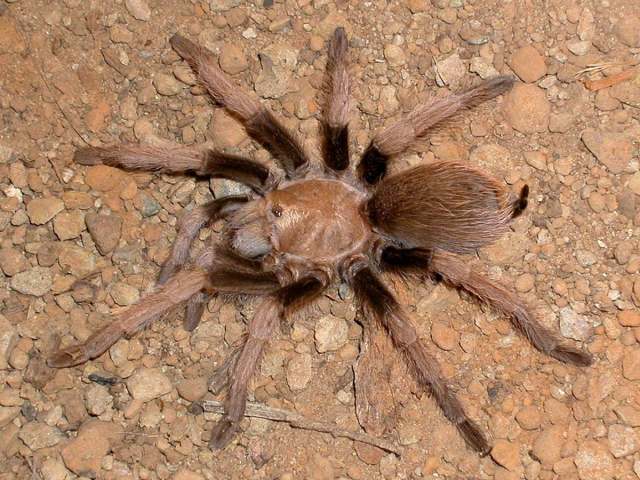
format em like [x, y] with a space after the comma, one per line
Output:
[232, 59]
[631, 363]
[623, 441]
[226, 132]
[331, 333]
[38, 435]
[575, 326]
[299, 371]
[138, 9]
[525, 283]
[394, 54]
[223, 5]
[53, 469]
[527, 109]
[97, 399]
[528, 64]
[8, 336]
[41, 210]
[193, 389]
[483, 68]
[614, 150]
[529, 418]
[560, 122]
[105, 230]
[450, 71]
[36, 281]
[184, 474]
[103, 178]
[548, 445]
[634, 183]
[629, 318]
[593, 461]
[579, 48]
[167, 85]
[124, 294]
[507, 454]
[12, 261]
[84, 454]
[7, 414]
[444, 336]
[628, 30]
[68, 225]
[76, 260]
[148, 383]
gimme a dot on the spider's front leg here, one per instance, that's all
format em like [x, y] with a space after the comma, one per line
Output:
[270, 312]
[378, 302]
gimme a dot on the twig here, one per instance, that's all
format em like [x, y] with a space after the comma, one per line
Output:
[607, 82]
[296, 420]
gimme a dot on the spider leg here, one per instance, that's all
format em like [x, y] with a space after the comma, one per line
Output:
[335, 131]
[175, 291]
[172, 158]
[190, 225]
[401, 135]
[457, 273]
[259, 122]
[379, 303]
[270, 312]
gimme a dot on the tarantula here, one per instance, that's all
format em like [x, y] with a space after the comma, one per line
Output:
[298, 233]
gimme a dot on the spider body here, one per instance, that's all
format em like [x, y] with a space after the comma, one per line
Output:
[299, 233]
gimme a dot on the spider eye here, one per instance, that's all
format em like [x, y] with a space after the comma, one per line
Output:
[276, 210]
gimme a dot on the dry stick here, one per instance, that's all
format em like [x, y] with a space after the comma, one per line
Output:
[595, 85]
[295, 420]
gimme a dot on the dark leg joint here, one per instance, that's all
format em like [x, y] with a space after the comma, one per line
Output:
[336, 146]
[373, 165]
[417, 259]
[521, 203]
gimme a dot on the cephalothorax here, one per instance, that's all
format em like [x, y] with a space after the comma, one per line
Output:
[317, 224]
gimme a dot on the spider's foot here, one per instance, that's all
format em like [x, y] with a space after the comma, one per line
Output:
[568, 354]
[222, 434]
[69, 357]
[474, 437]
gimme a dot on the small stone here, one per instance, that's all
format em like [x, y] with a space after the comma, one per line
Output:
[225, 130]
[331, 333]
[417, 6]
[233, 59]
[586, 258]
[193, 389]
[506, 454]
[138, 9]
[41, 210]
[96, 117]
[394, 55]
[184, 474]
[586, 25]
[76, 260]
[548, 445]
[124, 294]
[536, 159]
[629, 415]
[596, 202]
[529, 418]
[148, 383]
[105, 231]
[527, 109]
[97, 399]
[483, 67]
[450, 71]
[53, 469]
[121, 34]
[7, 414]
[84, 454]
[8, 336]
[634, 183]
[36, 281]
[614, 150]
[12, 261]
[631, 364]
[223, 5]
[103, 178]
[443, 336]
[528, 64]
[167, 85]
[628, 30]
[560, 122]
[579, 48]
[623, 441]
[593, 461]
[68, 225]
[38, 435]
[299, 371]
[573, 325]
[629, 318]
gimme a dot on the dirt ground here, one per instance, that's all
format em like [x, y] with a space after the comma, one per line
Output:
[81, 243]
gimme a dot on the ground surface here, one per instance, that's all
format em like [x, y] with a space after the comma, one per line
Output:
[103, 71]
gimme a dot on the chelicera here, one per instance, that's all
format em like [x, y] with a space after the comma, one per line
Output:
[312, 224]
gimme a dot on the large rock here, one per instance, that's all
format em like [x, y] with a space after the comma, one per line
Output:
[41, 210]
[614, 150]
[36, 281]
[105, 231]
[528, 64]
[84, 454]
[527, 108]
